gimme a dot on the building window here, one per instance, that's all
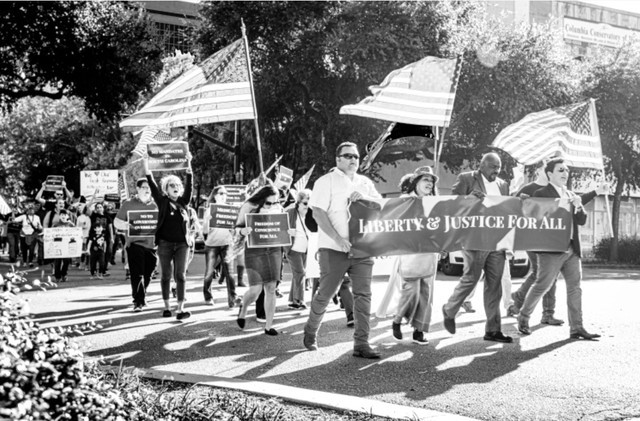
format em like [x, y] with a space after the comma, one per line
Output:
[174, 37]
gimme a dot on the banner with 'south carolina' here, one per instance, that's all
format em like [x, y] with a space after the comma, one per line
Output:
[408, 225]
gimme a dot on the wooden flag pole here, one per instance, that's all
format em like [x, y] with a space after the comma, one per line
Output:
[253, 95]
[444, 132]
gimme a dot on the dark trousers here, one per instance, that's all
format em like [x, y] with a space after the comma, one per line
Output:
[60, 268]
[98, 258]
[142, 262]
[28, 250]
[14, 244]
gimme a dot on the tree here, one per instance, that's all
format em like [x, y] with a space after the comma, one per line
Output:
[102, 52]
[615, 84]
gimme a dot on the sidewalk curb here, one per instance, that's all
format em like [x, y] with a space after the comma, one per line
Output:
[302, 396]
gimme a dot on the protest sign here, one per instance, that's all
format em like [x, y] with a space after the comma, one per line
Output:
[62, 242]
[236, 194]
[142, 223]
[284, 178]
[112, 197]
[268, 230]
[98, 182]
[447, 223]
[165, 156]
[223, 216]
[54, 183]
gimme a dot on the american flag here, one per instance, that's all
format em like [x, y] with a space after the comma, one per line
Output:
[302, 183]
[570, 131]
[216, 90]
[122, 186]
[421, 93]
[4, 206]
[150, 136]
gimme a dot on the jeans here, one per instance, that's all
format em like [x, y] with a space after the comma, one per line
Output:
[211, 258]
[60, 268]
[28, 250]
[333, 266]
[548, 299]
[97, 258]
[475, 261]
[14, 242]
[297, 261]
[142, 262]
[173, 261]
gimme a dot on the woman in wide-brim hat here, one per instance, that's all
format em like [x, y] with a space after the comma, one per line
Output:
[417, 272]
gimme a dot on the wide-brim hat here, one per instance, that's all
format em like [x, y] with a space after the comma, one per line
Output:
[422, 171]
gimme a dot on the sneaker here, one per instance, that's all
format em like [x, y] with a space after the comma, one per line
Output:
[183, 315]
[208, 302]
[137, 308]
[310, 342]
[350, 321]
[397, 333]
[64, 278]
[166, 313]
[279, 294]
[271, 332]
[93, 277]
[100, 276]
[294, 306]
[467, 307]
[261, 320]
[512, 311]
[106, 274]
[302, 306]
[418, 338]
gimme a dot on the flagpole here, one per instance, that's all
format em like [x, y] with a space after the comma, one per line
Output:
[594, 121]
[253, 95]
[444, 132]
[435, 150]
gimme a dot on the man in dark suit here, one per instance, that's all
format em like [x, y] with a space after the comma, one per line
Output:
[569, 262]
[481, 183]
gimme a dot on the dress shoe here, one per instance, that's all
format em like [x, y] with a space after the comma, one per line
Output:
[448, 322]
[523, 325]
[497, 337]
[366, 352]
[512, 311]
[397, 333]
[271, 332]
[467, 307]
[581, 333]
[310, 342]
[552, 321]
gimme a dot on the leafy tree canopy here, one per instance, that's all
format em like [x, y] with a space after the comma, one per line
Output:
[102, 52]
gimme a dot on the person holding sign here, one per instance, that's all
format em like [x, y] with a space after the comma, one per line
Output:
[216, 247]
[61, 266]
[141, 250]
[172, 234]
[263, 264]
[330, 200]
[31, 228]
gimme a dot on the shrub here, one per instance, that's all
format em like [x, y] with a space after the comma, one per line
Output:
[628, 250]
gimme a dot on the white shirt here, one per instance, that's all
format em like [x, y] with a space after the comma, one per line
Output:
[300, 241]
[331, 193]
[491, 186]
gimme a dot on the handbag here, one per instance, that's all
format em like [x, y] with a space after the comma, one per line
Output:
[29, 239]
[418, 265]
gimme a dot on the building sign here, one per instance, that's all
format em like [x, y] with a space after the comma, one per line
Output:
[595, 32]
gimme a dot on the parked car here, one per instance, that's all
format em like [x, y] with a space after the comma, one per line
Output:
[451, 263]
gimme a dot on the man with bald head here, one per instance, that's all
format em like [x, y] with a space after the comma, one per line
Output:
[480, 183]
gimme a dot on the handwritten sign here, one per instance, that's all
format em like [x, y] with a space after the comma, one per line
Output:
[54, 183]
[223, 216]
[236, 194]
[165, 156]
[284, 179]
[62, 242]
[142, 223]
[268, 230]
[103, 181]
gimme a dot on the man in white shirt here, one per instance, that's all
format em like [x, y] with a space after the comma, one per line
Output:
[481, 183]
[332, 194]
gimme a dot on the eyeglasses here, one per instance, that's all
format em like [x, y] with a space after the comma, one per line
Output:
[267, 203]
[174, 185]
[221, 193]
[350, 156]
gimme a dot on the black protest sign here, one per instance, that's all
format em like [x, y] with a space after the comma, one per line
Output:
[142, 223]
[166, 156]
[223, 216]
[54, 183]
[236, 194]
[268, 230]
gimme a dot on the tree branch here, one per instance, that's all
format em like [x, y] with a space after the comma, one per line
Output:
[32, 92]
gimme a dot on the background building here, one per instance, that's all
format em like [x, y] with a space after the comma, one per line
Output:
[175, 22]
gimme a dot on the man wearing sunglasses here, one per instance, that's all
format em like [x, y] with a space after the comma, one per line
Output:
[568, 262]
[330, 199]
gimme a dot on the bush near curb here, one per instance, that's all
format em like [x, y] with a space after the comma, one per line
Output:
[628, 250]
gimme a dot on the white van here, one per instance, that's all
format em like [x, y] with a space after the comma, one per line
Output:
[452, 263]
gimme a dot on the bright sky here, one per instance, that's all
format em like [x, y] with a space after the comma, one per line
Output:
[626, 5]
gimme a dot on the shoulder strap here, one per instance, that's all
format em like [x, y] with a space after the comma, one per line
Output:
[302, 222]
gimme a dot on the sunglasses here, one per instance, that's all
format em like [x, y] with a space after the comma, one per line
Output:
[350, 156]
[174, 185]
[221, 193]
[267, 203]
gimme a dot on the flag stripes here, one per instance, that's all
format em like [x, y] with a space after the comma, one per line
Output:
[421, 93]
[570, 131]
[4, 206]
[302, 182]
[216, 90]
[122, 186]
[150, 136]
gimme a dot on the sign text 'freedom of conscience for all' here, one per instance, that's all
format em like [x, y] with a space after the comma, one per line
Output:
[165, 156]
[223, 216]
[268, 230]
[142, 223]
[102, 181]
[446, 223]
[62, 242]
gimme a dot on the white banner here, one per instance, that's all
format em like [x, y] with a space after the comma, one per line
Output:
[102, 181]
[62, 242]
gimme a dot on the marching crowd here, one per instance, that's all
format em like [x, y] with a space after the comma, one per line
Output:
[320, 215]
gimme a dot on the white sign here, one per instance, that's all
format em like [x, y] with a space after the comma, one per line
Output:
[103, 181]
[595, 32]
[62, 242]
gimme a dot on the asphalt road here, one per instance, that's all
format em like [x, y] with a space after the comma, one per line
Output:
[544, 376]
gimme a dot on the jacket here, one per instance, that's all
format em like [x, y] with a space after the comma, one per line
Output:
[163, 203]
